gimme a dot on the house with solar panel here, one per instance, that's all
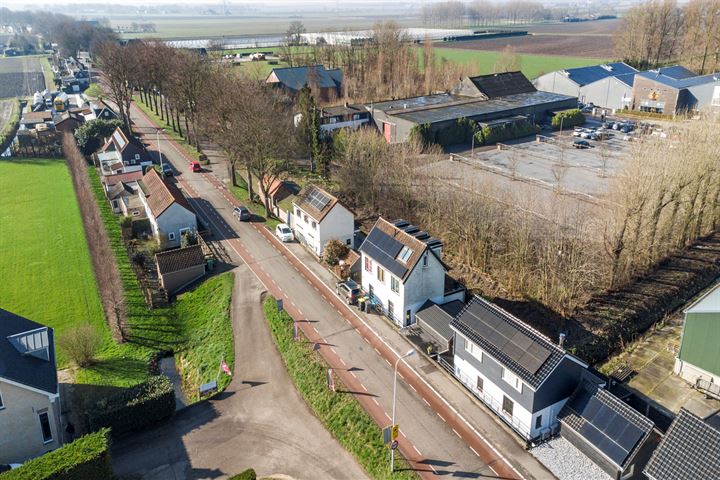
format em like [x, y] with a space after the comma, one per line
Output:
[515, 370]
[608, 85]
[698, 359]
[609, 432]
[675, 90]
[325, 84]
[30, 418]
[402, 269]
[318, 217]
[689, 450]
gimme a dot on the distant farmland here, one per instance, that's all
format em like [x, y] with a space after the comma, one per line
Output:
[21, 76]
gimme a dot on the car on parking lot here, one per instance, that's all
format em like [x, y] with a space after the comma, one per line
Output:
[587, 133]
[284, 233]
[349, 290]
[577, 132]
[242, 213]
[581, 144]
[167, 170]
[195, 166]
[616, 126]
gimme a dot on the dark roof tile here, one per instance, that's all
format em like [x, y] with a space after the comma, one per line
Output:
[179, 259]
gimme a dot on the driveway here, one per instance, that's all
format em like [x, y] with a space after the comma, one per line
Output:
[259, 422]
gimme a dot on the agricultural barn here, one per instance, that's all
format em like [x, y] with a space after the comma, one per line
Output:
[608, 85]
[487, 98]
[672, 90]
[325, 84]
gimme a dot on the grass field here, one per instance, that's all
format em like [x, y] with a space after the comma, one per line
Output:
[531, 65]
[21, 76]
[45, 260]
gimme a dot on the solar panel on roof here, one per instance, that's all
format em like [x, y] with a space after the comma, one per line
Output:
[317, 199]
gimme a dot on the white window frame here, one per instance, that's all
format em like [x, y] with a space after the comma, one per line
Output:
[473, 350]
[394, 284]
[171, 236]
[380, 274]
[405, 254]
[512, 379]
[47, 414]
[368, 265]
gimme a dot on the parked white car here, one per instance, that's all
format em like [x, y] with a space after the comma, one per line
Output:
[284, 233]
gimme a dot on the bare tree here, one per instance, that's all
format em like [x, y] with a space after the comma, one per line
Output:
[119, 65]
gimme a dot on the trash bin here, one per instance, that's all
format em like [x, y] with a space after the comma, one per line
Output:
[210, 263]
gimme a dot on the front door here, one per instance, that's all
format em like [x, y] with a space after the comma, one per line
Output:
[387, 131]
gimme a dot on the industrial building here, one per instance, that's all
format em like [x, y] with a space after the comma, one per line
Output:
[486, 98]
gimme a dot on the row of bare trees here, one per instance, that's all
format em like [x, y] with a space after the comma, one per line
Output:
[660, 32]
[456, 13]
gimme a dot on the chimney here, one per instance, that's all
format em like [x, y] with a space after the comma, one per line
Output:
[561, 340]
[346, 105]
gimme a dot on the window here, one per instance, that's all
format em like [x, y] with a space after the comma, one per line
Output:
[314, 225]
[171, 236]
[136, 213]
[297, 212]
[507, 405]
[394, 284]
[347, 242]
[538, 422]
[391, 309]
[425, 260]
[45, 426]
[479, 384]
[306, 219]
[473, 350]
[368, 265]
[381, 274]
[512, 379]
[404, 254]
[115, 204]
[356, 116]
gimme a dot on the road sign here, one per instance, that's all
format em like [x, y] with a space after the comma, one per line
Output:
[387, 435]
[279, 304]
[395, 431]
[394, 444]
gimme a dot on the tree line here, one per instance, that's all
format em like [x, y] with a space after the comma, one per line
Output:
[455, 13]
[661, 32]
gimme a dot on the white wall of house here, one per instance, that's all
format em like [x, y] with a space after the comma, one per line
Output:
[690, 373]
[171, 223]
[338, 224]
[21, 435]
[492, 395]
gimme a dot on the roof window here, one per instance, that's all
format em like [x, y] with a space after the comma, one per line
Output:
[404, 254]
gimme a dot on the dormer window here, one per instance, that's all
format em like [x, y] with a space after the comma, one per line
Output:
[404, 254]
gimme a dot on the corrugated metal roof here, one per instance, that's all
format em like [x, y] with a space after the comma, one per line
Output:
[627, 78]
[701, 340]
[438, 317]
[437, 112]
[586, 75]
[679, 77]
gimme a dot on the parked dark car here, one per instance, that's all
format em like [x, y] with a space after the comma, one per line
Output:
[581, 144]
[167, 170]
[242, 213]
[349, 290]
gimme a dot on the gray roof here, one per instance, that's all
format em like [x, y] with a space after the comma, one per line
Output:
[627, 78]
[296, 78]
[438, 317]
[586, 75]
[690, 450]
[179, 259]
[681, 81]
[443, 107]
[605, 422]
[502, 84]
[26, 367]
[517, 346]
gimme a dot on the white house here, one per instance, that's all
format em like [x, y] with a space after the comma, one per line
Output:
[30, 423]
[402, 268]
[514, 369]
[318, 217]
[167, 209]
[122, 154]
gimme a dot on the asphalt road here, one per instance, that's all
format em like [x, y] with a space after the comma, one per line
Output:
[433, 446]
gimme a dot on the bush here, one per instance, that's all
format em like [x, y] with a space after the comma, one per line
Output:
[568, 118]
[88, 457]
[81, 344]
[334, 251]
[508, 131]
[126, 221]
[136, 407]
[90, 135]
[248, 474]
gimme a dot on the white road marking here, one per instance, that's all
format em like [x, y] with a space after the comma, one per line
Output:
[413, 388]
[471, 448]
[376, 402]
[456, 433]
[426, 402]
[418, 451]
[441, 417]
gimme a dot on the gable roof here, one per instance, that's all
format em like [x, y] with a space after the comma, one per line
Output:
[520, 348]
[502, 84]
[295, 78]
[585, 75]
[179, 259]
[120, 189]
[316, 202]
[387, 240]
[36, 117]
[626, 78]
[689, 451]
[679, 77]
[605, 422]
[25, 368]
[110, 180]
[438, 317]
[709, 302]
[160, 193]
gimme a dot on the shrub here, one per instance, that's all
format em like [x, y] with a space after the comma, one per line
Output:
[81, 344]
[509, 131]
[88, 457]
[90, 135]
[136, 407]
[334, 251]
[568, 118]
[126, 222]
[248, 474]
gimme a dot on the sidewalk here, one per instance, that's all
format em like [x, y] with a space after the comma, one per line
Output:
[486, 422]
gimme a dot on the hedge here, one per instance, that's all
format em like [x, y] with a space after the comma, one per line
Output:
[509, 131]
[570, 118]
[461, 131]
[248, 474]
[88, 457]
[135, 408]
[7, 134]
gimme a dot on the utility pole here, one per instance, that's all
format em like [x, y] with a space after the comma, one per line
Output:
[392, 450]
[157, 139]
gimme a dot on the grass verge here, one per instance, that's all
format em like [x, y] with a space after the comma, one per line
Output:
[203, 317]
[341, 414]
[240, 192]
[7, 133]
[191, 150]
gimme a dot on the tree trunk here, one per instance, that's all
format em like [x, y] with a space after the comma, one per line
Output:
[249, 184]
[187, 127]
[177, 116]
[155, 100]
[167, 112]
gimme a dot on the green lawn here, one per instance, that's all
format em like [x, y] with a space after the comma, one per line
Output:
[531, 65]
[190, 149]
[45, 259]
[241, 193]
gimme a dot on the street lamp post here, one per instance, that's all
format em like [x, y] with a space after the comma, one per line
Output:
[157, 138]
[392, 450]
